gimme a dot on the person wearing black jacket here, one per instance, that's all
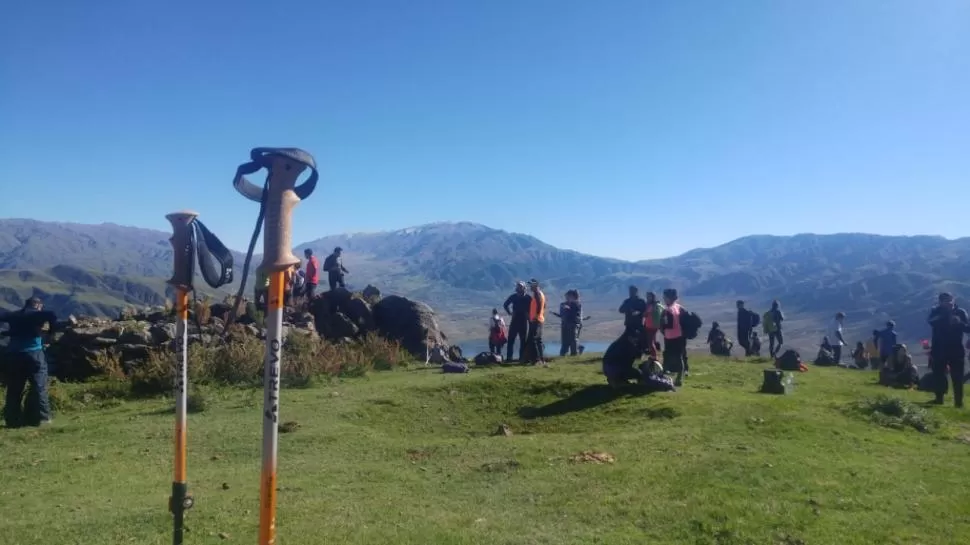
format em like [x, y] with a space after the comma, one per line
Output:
[517, 306]
[27, 364]
[571, 314]
[633, 309]
[949, 322]
[334, 265]
[746, 322]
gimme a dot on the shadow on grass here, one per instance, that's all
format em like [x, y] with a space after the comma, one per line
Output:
[579, 400]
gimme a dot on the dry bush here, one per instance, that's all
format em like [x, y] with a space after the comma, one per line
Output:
[108, 363]
[154, 376]
[203, 310]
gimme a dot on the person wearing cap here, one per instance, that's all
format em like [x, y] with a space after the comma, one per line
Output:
[312, 274]
[334, 266]
[537, 317]
[27, 364]
[887, 342]
[517, 306]
[949, 323]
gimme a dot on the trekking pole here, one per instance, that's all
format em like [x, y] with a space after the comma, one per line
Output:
[181, 240]
[189, 238]
[277, 199]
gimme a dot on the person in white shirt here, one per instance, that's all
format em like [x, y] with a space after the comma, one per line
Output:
[836, 338]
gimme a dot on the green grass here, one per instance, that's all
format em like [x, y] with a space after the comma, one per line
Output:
[409, 457]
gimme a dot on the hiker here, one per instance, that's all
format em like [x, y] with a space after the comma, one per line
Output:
[312, 274]
[632, 309]
[771, 325]
[825, 357]
[755, 345]
[27, 364]
[571, 316]
[720, 345]
[887, 342]
[836, 338]
[675, 343]
[949, 322]
[299, 285]
[496, 333]
[652, 320]
[872, 347]
[537, 317]
[747, 321]
[899, 370]
[860, 356]
[519, 302]
[619, 358]
[334, 267]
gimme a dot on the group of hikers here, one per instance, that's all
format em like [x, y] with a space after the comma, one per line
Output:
[526, 308]
[301, 283]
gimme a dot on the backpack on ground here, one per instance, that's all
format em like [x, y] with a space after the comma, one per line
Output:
[453, 367]
[774, 382]
[487, 358]
[690, 323]
[790, 360]
[825, 358]
[755, 319]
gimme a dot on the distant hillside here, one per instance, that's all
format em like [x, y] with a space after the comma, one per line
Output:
[463, 269]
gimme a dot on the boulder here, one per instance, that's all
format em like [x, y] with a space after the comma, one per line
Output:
[371, 294]
[137, 334]
[360, 313]
[342, 326]
[411, 323]
[162, 333]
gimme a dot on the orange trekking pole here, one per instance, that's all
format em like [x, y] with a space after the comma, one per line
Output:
[277, 199]
[189, 237]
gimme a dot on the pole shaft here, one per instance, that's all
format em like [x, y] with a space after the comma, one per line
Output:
[179, 485]
[271, 396]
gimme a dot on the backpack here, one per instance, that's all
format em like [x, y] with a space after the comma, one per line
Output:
[825, 358]
[773, 382]
[768, 322]
[790, 360]
[487, 358]
[755, 319]
[452, 367]
[690, 323]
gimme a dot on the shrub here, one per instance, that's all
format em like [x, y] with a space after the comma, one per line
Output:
[895, 413]
[108, 363]
[203, 310]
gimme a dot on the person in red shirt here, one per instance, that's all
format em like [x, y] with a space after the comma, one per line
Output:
[312, 274]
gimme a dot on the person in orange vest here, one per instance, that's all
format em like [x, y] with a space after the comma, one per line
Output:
[537, 317]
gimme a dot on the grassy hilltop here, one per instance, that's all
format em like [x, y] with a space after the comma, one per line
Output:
[410, 457]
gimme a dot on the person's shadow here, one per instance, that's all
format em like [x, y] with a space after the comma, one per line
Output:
[580, 400]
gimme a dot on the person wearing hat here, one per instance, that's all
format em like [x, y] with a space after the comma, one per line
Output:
[27, 364]
[517, 306]
[334, 266]
[949, 323]
[537, 317]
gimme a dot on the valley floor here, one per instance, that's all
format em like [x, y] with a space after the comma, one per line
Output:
[409, 457]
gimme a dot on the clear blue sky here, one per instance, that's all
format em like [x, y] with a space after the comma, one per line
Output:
[588, 124]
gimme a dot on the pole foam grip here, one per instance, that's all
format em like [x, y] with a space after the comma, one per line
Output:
[280, 201]
[181, 236]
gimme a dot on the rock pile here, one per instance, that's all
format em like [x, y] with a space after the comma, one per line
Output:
[338, 316]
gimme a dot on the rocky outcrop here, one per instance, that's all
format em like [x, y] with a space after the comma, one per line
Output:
[79, 344]
[341, 314]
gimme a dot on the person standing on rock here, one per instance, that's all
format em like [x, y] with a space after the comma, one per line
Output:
[947, 351]
[312, 274]
[27, 363]
[334, 265]
[537, 318]
[517, 306]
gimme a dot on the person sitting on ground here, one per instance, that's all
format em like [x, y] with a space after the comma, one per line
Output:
[860, 356]
[825, 357]
[497, 336]
[755, 344]
[27, 364]
[619, 358]
[872, 347]
[720, 345]
[899, 370]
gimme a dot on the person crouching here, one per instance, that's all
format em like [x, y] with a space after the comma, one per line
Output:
[619, 358]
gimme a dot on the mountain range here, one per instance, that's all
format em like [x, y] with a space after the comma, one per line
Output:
[464, 269]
